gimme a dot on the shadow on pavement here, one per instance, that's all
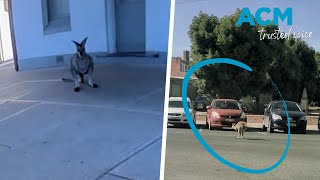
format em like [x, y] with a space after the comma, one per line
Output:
[255, 139]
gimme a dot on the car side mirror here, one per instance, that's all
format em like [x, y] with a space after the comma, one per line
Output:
[265, 109]
[208, 107]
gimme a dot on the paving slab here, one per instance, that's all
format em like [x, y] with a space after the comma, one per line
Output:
[47, 131]
[144, 160]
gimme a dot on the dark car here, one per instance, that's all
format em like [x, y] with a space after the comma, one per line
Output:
[201, 102]
[275, 117]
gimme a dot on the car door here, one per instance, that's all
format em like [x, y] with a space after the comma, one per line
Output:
[267, 115]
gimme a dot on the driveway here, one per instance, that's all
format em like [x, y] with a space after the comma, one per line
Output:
[47, 131]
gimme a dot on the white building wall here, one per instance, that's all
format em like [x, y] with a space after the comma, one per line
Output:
[5, 33]
[157, 22]
[88, 19]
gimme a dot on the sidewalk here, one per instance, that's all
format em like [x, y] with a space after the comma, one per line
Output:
[47, 131]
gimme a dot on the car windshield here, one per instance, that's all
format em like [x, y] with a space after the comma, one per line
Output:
[201, 98]
[291, 106]
[227, 105]
[177, 104]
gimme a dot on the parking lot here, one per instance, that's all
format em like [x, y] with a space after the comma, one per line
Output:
[187, 159]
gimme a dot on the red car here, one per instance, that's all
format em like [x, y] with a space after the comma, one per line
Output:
[223, 113]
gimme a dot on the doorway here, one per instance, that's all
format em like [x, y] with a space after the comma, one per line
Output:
[130, 25]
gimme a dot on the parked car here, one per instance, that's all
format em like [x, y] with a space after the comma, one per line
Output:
[275, 117]
[223, 113]
[176, 114]
[201, 102]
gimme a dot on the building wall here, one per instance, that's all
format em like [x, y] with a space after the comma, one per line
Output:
[157, 22]
[5, 33]
[88, 19]
[176, 88]
[176, 63]
[177, 78]
[31, 41]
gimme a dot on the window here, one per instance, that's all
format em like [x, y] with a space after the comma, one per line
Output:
[184, 67]
[56, 16]
[178, 104]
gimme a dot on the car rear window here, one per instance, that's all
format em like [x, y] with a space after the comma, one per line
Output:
[291, 106]
[177, 104]
[227, 105]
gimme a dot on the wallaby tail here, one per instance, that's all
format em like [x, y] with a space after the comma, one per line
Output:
[67, 80]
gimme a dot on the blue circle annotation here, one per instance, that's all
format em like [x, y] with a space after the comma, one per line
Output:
[200, 138]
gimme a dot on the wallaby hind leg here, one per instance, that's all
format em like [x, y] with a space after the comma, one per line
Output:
[90, 81]
[76, 80]
[239, 133]
[242, 131]
[81, 77]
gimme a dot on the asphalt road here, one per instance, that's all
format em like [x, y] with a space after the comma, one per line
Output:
[187, 159]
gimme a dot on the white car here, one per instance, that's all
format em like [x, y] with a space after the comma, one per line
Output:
[176, 113]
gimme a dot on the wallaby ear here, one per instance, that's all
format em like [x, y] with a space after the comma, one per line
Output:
[84, 41]
[76, 43]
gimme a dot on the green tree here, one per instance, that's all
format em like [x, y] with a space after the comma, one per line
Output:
[291, 64]
[224, 39]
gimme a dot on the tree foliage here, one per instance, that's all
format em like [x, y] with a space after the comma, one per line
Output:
[291, 63]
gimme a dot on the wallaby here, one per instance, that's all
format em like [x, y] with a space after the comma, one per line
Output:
[81, 64]
[241, 126]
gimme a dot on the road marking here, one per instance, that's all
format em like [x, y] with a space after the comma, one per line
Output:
[153, 92]
[263, 133]
[131, 154]
[30, 81]
[112, 107]
[20, 112]
[4, 101]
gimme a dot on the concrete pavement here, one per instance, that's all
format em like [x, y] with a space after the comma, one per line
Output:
[47, 131]
[187, 159]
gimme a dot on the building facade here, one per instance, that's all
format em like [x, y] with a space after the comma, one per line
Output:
[5, 33]
[46, 28]
[179, 67]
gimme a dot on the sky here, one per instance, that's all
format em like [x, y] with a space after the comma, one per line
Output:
[305, 17]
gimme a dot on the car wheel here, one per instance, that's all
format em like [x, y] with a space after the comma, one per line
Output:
[207, 125]
[264, 128]
[270, 128]
[304, 130]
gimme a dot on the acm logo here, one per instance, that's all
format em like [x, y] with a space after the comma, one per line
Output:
[246, 16]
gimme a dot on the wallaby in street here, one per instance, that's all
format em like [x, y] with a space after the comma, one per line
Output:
[81, 64]
[241, 126]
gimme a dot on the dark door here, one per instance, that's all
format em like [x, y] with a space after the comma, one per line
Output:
[130, 25]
